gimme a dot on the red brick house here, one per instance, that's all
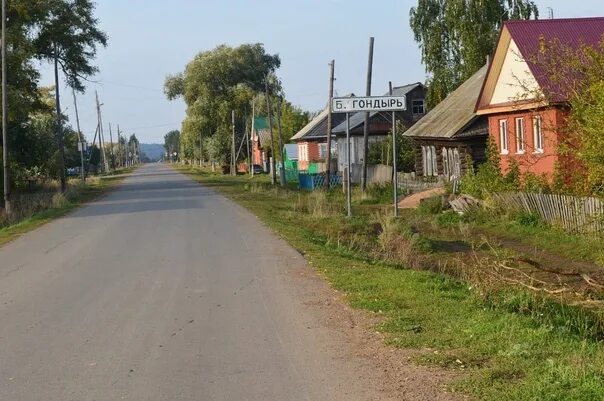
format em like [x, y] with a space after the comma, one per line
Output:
[312, 139]
[525, 127]
[261, 143]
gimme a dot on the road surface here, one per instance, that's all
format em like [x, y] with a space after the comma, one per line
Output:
[164, 290]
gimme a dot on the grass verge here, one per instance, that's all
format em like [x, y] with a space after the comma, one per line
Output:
[510, 346]
[79, 195]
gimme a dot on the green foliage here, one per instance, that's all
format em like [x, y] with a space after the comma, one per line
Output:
[455, 36]
[215, 83]
[432, 205]
[576, 76]
[529, 220]
[381, 152]
[37, 31]
[488, 177]
[449, 218]
[172, 142]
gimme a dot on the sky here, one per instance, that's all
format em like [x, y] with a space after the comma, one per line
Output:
[149, 39]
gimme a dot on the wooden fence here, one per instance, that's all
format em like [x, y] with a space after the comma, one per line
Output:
[574, 214]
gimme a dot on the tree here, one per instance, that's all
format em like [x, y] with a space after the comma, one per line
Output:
[172, 142]
[456, 36]
[36, 31]
[575, 81]
[212, 85]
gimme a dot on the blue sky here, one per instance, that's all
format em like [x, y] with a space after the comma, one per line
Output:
[149, 39]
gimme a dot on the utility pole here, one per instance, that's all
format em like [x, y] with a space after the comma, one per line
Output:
[104, 165]
[5, 154]
[252, 132]
[247, 141]
[366, 125]
[119, 147]
[80, 136]
[111, 154]
[270, 127]
[59, 125]
[282, 178]
[332, 67]
[233, 161]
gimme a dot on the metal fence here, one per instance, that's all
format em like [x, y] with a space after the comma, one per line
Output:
[573, 214]
[315, 181]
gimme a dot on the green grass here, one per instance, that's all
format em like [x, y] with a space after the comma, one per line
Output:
[551, 239]
[92, 190]
[509, 348]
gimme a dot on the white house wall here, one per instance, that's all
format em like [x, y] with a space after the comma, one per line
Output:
[516, 81]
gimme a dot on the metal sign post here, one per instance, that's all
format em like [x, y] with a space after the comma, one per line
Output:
[348, 165]
[370, 104]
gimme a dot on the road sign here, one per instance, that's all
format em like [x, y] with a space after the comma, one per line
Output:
[372, 103]
[82, 146]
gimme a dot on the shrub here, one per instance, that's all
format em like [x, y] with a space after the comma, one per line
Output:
[432, 205]
[448, 218]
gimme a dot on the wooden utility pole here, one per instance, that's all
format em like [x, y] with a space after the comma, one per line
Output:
[366, 125]
[270, 128]
[252, 132]
[282, 179]
[394, 163]
[80, 136]
[111, 154]
[5, 146]
[119, 147]
[59, 125]
[233, 157]
[332, 67]
[103, 156]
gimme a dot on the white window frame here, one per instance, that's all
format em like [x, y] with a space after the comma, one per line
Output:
[538, 134]
[303, 152]
[503, 137]
[520, 137]
[322, 151]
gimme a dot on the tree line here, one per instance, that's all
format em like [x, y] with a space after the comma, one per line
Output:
[65, 34]
[222, 80]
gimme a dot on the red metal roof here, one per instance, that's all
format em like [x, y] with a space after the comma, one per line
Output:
[571, 32]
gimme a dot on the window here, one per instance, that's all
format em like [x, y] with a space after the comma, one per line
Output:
[520, 135]
[537, 134]
[322, 151]
[430, 163]
[503, 136]
[418, 106]
[303, 156]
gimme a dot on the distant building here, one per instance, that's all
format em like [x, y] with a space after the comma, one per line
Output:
[451, 133]
[261, 143]
[525, 128]
[312, 139]
[380, 123]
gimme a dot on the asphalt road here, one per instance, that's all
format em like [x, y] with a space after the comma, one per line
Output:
[164, 290]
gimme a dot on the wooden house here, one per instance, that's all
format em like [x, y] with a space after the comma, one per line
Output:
[451, 133]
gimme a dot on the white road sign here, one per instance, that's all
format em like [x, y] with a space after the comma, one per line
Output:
[373, 103]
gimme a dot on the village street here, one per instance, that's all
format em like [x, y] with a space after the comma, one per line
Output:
[164, 290]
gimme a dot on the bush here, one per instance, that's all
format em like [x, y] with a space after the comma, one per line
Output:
[432, 205]
[448, 218]
[529, 220]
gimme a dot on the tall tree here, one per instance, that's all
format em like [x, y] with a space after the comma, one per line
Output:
[212, 85]
[456, 36]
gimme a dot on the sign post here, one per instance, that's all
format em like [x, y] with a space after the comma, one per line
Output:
[369, 104]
